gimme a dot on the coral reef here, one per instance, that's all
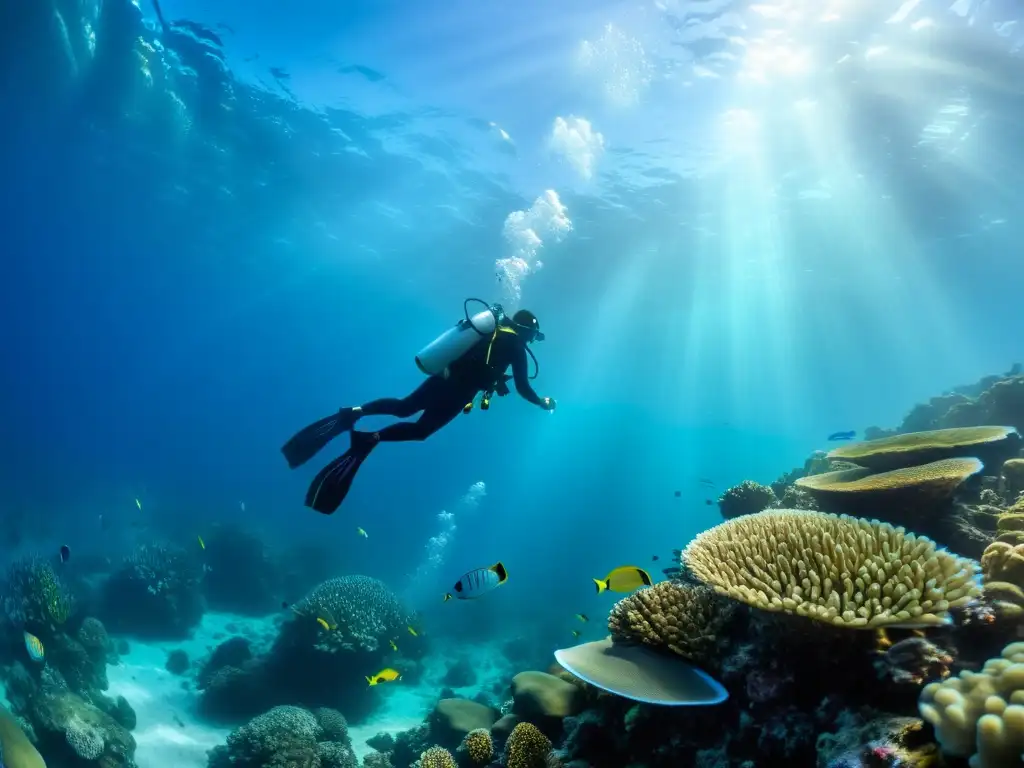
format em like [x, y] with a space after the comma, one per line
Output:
[35, 598]
[686, 619]
[526, 747]
[478, 746]
[832, 568]
[155, 593]
[437, 757]
[917, 448]
[362, 612]
[288, 736]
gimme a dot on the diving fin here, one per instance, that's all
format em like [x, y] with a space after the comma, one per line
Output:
[330, 487]
[307, 442]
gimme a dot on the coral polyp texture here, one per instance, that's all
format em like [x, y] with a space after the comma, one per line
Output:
[527, 747]
[478, 746]
[685, 619]
[745, 499]
[840, 570]
[981, 714]
[362, 612]
[906, 450]
[437, 757]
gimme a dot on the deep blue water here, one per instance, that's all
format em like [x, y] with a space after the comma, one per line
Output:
[217, 232]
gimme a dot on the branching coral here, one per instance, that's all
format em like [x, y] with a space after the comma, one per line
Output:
[34, 596]
[478, 746]
[527, 747]
[362, 612]
[437, 757]
[684, 618]
[981, 713]
[840, 570]
[745, 499]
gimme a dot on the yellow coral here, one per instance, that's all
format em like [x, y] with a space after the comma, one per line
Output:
[937, 480]
[1003, 562]
[914, 448]
[683, 618]
[981, 714]
[527, 747]
[478, 746]
[841, 570]
[1013, 477]
[437, 757]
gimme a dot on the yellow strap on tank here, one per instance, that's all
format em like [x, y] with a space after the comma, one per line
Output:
[499, 329]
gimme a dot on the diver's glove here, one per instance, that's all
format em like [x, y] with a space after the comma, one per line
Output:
[548, 403]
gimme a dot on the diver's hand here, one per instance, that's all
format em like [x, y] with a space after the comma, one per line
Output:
[548, 403]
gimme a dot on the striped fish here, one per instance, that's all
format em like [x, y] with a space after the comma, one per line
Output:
[34, 646]
[478, 582]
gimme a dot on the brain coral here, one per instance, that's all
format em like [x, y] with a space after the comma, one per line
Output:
[898, 451]
[363, 609]
[683, 618]
[841, 570]
[437, 757]
[277, 730]
[526, 747]
[981, 713]
[478, 746]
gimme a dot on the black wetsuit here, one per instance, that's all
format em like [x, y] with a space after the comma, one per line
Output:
[441, 399]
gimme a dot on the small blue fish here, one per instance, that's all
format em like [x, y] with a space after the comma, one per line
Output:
[34, 646]
[843, 435]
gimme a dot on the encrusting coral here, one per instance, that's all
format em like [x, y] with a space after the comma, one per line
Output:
[914, 448]
[935, 482]
[841, 570]
[686, 619]
[981, 714]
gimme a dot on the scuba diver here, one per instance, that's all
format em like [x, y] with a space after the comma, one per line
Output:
[466, 360]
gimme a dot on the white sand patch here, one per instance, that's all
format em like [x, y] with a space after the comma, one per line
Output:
[169, 734]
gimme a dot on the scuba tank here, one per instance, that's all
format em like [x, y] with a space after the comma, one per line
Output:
[434, 358]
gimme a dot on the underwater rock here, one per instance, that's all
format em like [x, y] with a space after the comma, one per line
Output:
[460, 674]
[155, 593]
[233, 652]
[540, 695]
[177, 662]
[452, 719]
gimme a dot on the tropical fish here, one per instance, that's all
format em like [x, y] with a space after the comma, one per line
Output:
[323, 623]
[576, 633]
[34, 646]
[843, 435]
[707, 481]
[447, 597]
[394, 647]
[708, 502]
[678, 494]
[479, 582]
[413, 632]
[65, 555]
[624, 579]
[362, 533]
[654, 558]
[202, 544]
[386, 675]
[582, 617]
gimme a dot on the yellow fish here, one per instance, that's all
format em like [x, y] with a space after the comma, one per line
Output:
[34, 646]
[624, 579]
[326, 624]
[413, 632]
[138, 504]
[362, 533]
[582, 617]
[387, 675]
[393, 646]
[202, 543]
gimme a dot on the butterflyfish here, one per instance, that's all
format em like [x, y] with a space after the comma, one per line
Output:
[386, 675]
[325, 623]
[479, 582]
[624, 579]
[34, 646]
